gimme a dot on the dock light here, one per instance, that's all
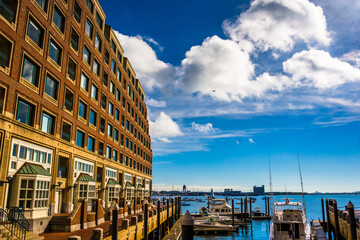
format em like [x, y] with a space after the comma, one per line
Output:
[58, 184]
[9, 180]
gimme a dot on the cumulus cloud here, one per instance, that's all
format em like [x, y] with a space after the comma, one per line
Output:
[152, 72]
[278, 24]
[317, 68]
[203, 128]
[155, 103]
[164, 128]
[251, 141]
[352, 57]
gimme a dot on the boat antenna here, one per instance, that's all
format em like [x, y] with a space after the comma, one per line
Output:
[270, 178]
[302, 185]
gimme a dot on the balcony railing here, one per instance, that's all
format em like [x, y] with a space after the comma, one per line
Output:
[6, 12]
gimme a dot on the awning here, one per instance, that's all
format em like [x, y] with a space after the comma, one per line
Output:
[129, 185]
[85, 178]
[30, 168]
[140, 186]
[112, 182]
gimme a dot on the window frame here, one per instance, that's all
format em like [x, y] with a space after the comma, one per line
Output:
[51, 115]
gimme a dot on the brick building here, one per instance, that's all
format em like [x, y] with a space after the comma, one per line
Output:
[73, 121]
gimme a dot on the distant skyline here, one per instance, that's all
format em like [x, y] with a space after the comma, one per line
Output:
[229, 82]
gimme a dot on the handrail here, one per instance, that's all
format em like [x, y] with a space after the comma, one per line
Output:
[18, 214]
[10, 223]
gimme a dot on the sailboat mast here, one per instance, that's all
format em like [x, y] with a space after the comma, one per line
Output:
[302, 185]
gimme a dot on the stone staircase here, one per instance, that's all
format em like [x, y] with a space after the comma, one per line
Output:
[59, 223]
[6, 235]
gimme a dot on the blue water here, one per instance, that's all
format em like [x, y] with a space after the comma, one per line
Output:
[260, 229]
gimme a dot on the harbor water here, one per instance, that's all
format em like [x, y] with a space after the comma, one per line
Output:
[260, 229]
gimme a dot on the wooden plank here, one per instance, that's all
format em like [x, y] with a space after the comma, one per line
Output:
[318, 231]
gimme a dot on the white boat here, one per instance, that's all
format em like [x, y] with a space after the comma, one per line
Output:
[211, 223]
[289, 221]
[220, 206]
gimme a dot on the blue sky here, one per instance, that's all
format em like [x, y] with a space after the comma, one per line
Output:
[229, 82]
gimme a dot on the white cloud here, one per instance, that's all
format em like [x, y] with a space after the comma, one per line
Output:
[164, 128]
[203, 128]
[317, 68]
[352, 57]
[278, 24]
[251, 141]
[155, 103]
[149, 69]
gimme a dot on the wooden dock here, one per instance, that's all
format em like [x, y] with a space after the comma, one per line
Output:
[317, 232]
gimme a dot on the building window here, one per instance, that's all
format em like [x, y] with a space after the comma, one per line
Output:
[96, 67]
[113, 46]
[98, 42]
[87, 55]
[122, 120]
[118, 74]
[101, 148]
[59, 19]
[69, 100]
[123, 102]
[42, 4]
[119, 57]
[25, 112]
[47, 123]
[91, 144]
[108, 152]
[42, 194]
[74, 40]
[71, 70]
[8, 10]
[89, 27]
[105, 79]
[26, 193]
[5, 52]
[103, 101]
[113, 66]
[102, 125]
[55, 52]
[82, 109]
[77, 12]
[80, 138]
[118, 95]
[84, 82]
[111, 108]
[117, 114]
[122, 139]
[116, 134]
[112, 87]
[35, 32]
[107, 57]
[115, 155]
[2, 99]
[51, 87]
[93, 117]
[30, 71]
[95, 92]
[110, 130]
[90, 5]
[99, 20]
[66, 131]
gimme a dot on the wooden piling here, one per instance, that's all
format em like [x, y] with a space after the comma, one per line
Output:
[187, 226]
[115, 223]
[266, 210]
[242, 210]
[158, 219]
[328, 219]
[245, 208]
[233, 211]
[167, 213]
[172, 213]
[268, 205]
[336, 218]
[146, 220]
[350, 208]
[250, 211]
[323, 210]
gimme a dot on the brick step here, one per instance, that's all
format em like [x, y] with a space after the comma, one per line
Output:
[6, 235]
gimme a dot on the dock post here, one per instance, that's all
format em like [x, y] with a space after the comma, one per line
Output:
[250, 210]
[266, 211]
[146, 219]
[187, 225]
[172, 213]
[328, 219]
[268, 205]
[208, 200]
[323, 210]
[158, 219]
[350, 209]
[245, 208]
[233, 211]
[115, 222]
[167, 215]
[336, 218]
[179, 206]
[227, 198]
[242, 209]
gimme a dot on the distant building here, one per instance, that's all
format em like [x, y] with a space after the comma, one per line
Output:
[231, 192]
[184, 188]
[259, 190]
[228, 190]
